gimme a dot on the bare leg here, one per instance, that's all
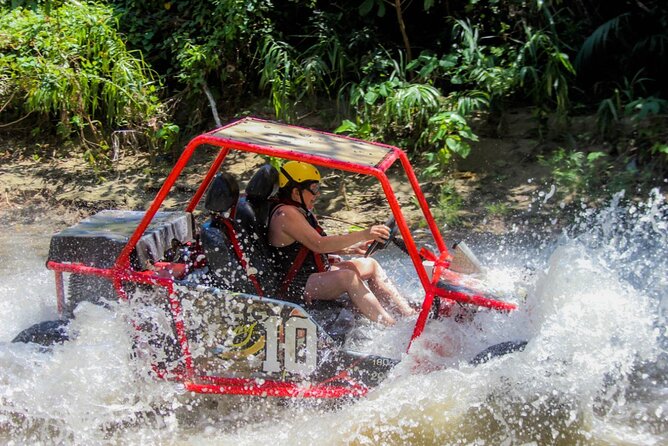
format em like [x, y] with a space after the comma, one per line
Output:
[331, 284]
[381, 285]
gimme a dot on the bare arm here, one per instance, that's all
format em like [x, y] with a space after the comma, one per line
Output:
[356, 249]
[289, 225]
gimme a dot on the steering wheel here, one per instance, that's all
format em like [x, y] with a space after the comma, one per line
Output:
[375, 246]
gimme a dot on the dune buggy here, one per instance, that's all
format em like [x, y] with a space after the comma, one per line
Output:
[205, 310]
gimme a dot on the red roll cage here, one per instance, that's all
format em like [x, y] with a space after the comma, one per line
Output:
[292, 143]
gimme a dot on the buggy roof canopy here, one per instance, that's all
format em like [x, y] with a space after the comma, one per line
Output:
[305, 144]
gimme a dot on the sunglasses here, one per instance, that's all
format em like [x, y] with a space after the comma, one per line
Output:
[314, 188]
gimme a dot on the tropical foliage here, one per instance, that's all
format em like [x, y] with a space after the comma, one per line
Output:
[413, 74]
[65, 68]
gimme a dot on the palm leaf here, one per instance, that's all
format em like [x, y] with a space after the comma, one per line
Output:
[600, 39]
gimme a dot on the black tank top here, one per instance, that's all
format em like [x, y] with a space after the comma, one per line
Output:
[285, 256]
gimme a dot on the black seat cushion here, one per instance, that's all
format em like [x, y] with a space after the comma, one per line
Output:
[252, 214]
[253, 239]
[223, 193]
[224, 266]
[260, 188]
[245, 219]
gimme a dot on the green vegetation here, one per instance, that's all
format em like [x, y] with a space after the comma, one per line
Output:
[448, 204]
[593, 174]
[413, 74]
[576, 172]
[67, 69]
[500, 209]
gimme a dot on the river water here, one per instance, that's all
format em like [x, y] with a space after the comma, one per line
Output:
[594, 371]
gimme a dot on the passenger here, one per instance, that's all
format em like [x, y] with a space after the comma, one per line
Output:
[303, 249]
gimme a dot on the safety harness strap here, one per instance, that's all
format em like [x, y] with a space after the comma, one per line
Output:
[231, 232]
[304, 251]
[292, 272]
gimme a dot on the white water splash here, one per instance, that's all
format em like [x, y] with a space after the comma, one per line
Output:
[593, 371]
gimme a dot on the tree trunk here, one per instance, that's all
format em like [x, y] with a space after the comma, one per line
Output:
[402, 27]
[212, 103]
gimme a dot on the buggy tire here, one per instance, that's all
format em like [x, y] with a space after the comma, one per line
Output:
[45, 333]
[497, 350]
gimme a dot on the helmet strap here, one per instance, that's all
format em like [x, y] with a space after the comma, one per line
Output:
[293, 183]
[301, 198]
[301, 206]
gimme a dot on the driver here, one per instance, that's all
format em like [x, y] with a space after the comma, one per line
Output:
[302, 252]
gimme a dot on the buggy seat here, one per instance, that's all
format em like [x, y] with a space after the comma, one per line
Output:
[224, 252]
[253, 216]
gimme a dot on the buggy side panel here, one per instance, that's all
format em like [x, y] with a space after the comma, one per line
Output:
[233, 335]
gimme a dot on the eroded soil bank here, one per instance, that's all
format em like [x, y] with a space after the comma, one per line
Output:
[500, 183]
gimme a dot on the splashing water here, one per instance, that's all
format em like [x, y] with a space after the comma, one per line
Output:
[594, 371]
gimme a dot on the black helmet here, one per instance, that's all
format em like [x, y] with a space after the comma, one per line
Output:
[223, 193]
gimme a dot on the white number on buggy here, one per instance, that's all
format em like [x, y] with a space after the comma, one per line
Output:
[306, 344]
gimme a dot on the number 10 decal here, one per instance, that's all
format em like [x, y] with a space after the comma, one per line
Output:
[308, 343]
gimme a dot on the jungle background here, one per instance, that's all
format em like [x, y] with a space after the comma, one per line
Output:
[509, 109]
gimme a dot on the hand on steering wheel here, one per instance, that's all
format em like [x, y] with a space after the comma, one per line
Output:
[375, 246]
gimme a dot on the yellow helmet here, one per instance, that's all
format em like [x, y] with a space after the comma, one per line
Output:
[297, 172]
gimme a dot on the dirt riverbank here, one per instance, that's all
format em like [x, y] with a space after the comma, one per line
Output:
[499, 183]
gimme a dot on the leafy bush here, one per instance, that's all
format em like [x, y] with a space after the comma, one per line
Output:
[573, 171]
[545, 71]
[424, 104]
[447, 133]
[592, 174]
[203, 49]
[297, 77]
[448, 204]
[412, 114]
[66, 64]
[636, 124]
[394, 111]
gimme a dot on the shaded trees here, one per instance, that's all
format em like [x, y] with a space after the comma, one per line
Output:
[411, 74]
[64, 68]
